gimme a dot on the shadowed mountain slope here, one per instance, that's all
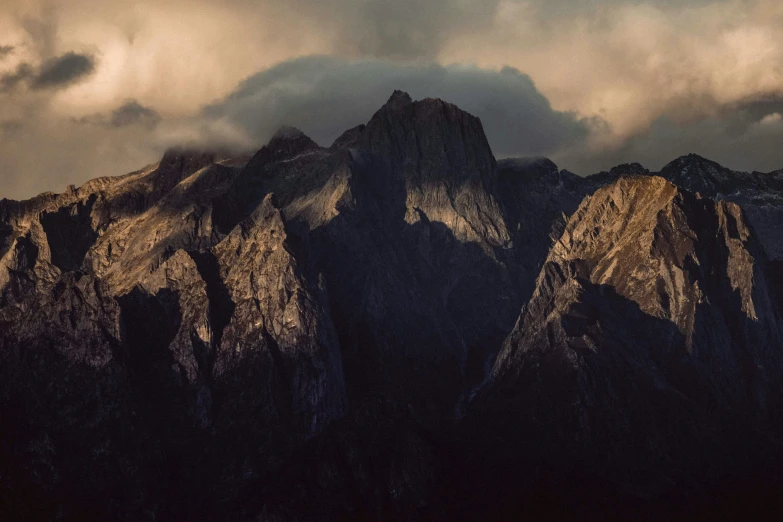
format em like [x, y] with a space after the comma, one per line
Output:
[363, 331]
[648, 359]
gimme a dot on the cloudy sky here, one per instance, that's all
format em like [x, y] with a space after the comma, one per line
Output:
[101, 87]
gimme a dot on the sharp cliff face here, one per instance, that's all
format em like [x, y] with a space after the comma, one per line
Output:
[279, 334]
[315, 332]
[400, 220]
[759, 194]
[689, 261]
[439, 155]
[652, 320]
[252, 303]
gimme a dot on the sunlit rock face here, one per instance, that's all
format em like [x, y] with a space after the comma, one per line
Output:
[651, 334]
[689, 261]
[362, 331]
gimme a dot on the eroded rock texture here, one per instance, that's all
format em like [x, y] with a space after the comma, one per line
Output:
[648, 359]
[335, 333]
[759, 194]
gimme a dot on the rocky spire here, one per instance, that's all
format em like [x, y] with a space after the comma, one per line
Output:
[398, 100]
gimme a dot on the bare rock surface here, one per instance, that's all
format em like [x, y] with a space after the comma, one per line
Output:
[652, 321]
[759, 194]
[397, 326]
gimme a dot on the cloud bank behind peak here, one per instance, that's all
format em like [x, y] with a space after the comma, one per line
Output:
[325, 96]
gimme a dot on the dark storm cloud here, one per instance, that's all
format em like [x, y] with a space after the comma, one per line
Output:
[661, 77]
[55, 73]
[745, 113]
[324, 96]
[734, 140]
[63, 71]
[132, 112]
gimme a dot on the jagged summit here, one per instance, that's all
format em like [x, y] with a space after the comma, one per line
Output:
[285, 143]
[702, 174]
[694, 164]
[628, 169]
[289, 139]
[652, 319]
[625, 169]
[697, 173]
[287, 132]
[314, 333]
[184, 151]
[650, 242]
[439, 155]
[398, 100]
[433, 129]
[179, 159]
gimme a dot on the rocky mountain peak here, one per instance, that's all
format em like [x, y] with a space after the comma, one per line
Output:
[314, 334]
[286, 143]
[287, 132]
[652, 309]
[760, 195]
[699, 174]
[182, 159]
[625, 169]
[645, 225]
[289, 140]
[436, 157]
[398, 100]
[452, 140]
[177, 164]
[692, 161]
[628, 169]
[670, 253]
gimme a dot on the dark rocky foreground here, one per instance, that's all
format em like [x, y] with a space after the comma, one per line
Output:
[397, 327]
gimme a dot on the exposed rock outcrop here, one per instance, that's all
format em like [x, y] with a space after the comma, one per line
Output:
[279, 334]
[760, 195]
[335, 333]
[652, 321]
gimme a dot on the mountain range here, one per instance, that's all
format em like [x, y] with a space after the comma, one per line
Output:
[394, 327]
